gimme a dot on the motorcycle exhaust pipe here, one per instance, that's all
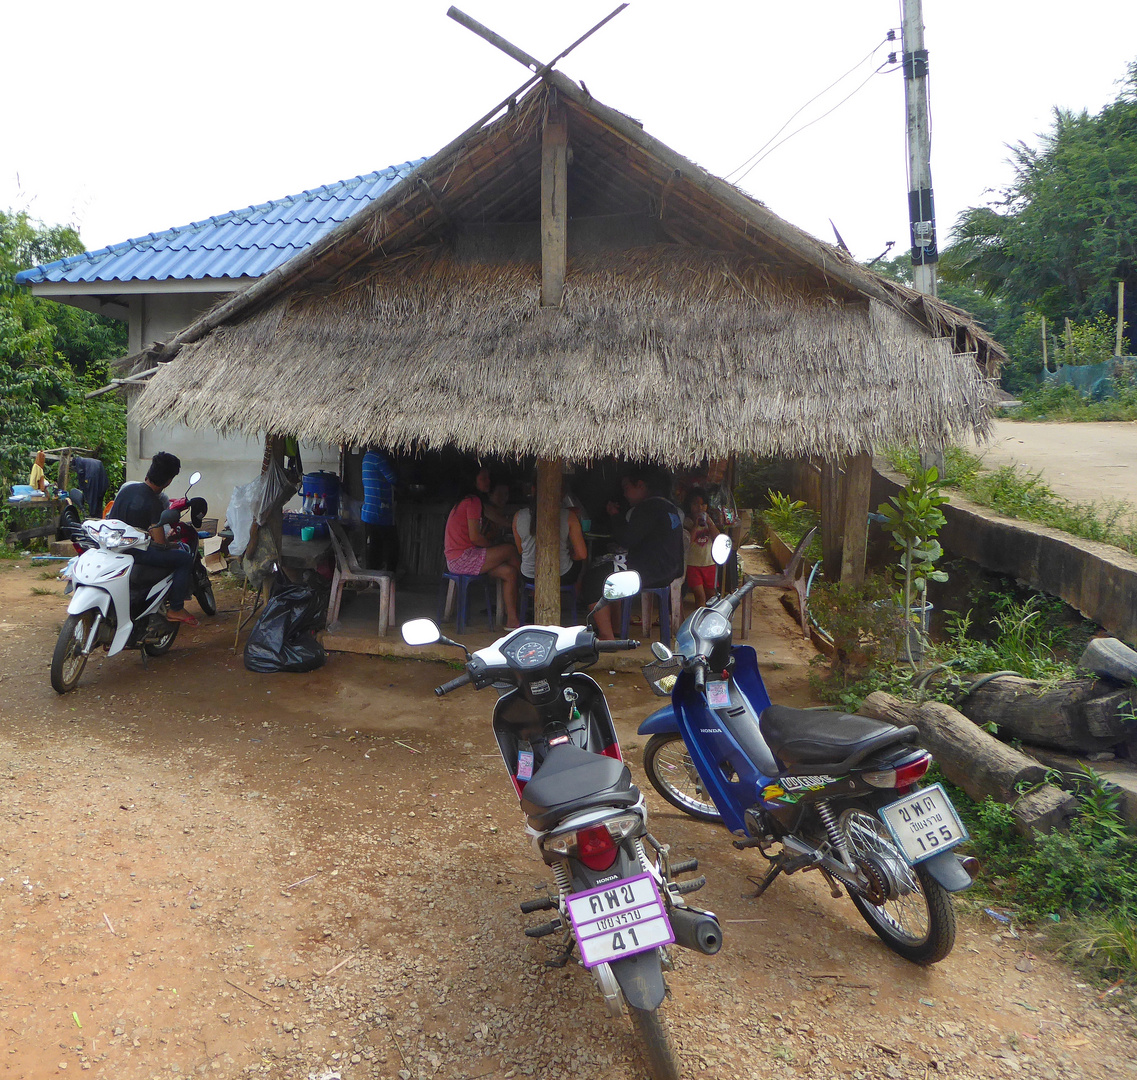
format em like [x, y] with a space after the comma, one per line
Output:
[696, 930]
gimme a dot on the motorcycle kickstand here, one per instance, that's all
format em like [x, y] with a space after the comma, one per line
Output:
[834, 888]
[767, 881]
[564, 954]
[142, 653]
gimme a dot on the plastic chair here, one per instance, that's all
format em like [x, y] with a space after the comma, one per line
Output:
[664, 595]
[349, 574]
[455, 586]
[530, 590]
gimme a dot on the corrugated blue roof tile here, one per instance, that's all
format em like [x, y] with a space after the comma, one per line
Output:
[241, 243]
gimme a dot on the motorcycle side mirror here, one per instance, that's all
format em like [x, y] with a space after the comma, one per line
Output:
[720, 548]
[421, 632]
[621, 585]
[661, 651]
[194, 478]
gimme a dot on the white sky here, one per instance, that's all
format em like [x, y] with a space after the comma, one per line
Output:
[129, 117]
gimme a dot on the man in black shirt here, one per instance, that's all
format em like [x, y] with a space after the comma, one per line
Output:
[652, 532]
[140, 503]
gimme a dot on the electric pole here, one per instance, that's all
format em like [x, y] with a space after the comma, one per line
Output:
[921, 206]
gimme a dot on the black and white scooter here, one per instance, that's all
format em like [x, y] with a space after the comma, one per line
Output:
[616, 899]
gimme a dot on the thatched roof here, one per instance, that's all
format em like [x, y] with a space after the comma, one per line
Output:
[701, 324]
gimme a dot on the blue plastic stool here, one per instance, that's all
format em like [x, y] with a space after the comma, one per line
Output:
[529, 590]
[664, 595]
[461, 584]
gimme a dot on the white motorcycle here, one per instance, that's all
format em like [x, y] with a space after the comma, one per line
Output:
[117, 604]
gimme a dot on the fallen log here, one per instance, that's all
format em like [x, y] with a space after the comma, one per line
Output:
[1079, 715]
[979, 763]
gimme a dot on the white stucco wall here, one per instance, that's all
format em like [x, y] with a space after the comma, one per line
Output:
[223, 460]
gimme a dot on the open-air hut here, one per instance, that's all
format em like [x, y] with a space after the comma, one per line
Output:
[557, 283]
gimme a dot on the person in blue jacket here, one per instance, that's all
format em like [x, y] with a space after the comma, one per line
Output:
[378, 513]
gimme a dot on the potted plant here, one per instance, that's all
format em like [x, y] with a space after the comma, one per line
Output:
[914, 519]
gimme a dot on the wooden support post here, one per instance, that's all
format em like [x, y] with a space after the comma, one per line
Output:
[1120, 317]
[275, 522]
[64, 474]
[547, 573]
[858, 480]
[554, 208]
[831, 519]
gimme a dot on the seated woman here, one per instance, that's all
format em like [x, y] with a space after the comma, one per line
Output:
[38, 478]
[470, 551]
[573, 549]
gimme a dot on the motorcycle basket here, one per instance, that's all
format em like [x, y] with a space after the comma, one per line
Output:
[661, 674]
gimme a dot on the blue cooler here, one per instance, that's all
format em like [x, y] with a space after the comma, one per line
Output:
[325, 485]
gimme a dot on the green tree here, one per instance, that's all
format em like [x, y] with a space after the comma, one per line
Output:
[50, 356]
[1064, 232]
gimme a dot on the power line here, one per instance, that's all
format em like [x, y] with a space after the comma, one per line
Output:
[799, 130]
[841, 78]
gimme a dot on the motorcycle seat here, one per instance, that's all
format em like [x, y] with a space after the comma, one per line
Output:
[143, 577]
[570, 780]
[825, 741]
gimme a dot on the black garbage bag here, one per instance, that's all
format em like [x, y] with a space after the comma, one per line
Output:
[282, 638]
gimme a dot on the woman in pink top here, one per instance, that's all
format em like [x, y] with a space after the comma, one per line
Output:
[470, 551]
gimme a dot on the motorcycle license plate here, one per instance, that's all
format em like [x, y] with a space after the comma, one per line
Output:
[924, 823]
[618, 920]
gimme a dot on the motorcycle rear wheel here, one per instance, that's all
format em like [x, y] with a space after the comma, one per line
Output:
[205, 600]
[672, 773]
[162, 645]
[661, 1057]
[920, 924]
[68, 661]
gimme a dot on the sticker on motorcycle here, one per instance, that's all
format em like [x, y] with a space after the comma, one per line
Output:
[619, 920]
[718, 694]
[525, 765]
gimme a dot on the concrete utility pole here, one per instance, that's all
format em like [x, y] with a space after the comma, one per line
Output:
[921, 207]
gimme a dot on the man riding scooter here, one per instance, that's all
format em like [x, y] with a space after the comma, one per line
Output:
[141, 503]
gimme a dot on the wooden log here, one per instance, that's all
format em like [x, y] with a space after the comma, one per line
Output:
[979, 763]
[968, 756]
[1079, 715]
[554, 208]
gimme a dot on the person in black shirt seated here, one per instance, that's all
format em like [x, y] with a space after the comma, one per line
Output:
[140, 503]
[652, 533]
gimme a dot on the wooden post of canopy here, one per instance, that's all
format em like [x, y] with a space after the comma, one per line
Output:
[554, 253]
[858, 479]
[547, 573]
[831, 518]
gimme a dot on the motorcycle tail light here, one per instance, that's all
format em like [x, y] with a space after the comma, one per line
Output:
[904, 776]
[596, 848]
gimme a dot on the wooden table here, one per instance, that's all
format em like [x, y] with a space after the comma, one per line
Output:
[299, 554]
[53, 506]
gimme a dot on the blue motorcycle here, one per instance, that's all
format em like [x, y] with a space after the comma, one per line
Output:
[810, 789]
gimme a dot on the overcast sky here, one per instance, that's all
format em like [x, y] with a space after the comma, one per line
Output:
[124, 118]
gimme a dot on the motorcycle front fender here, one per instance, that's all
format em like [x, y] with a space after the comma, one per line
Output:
[87, 597]
[641, 980]
[947, 869]
[661, 722]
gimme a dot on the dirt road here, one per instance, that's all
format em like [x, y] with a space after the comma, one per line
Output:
[211, 873]
[1081, 462]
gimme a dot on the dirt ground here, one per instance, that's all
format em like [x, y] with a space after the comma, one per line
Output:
[209, 872]
[1090, 462]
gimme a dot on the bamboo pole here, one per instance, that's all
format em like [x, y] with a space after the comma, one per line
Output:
[1045, 364]
[1120, 317]
[547, 572]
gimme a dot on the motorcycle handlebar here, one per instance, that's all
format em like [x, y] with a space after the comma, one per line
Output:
[453, 684]
[619, 645]
[701, 675]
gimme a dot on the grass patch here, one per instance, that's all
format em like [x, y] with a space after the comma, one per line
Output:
[1067, 403]
[38, 590]
[1016, 492]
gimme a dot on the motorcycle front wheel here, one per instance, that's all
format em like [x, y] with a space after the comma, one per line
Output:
[919, 923]
[672, 773]
[68, 661]
[661, 1058]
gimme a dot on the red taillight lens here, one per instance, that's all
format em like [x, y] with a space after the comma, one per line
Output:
[596, 848]
[613, 751]
[910, 773]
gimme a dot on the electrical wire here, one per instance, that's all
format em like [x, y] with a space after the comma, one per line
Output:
[799, 130]
[872, 52]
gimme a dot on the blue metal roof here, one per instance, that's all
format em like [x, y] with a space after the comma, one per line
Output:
[241, 243]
